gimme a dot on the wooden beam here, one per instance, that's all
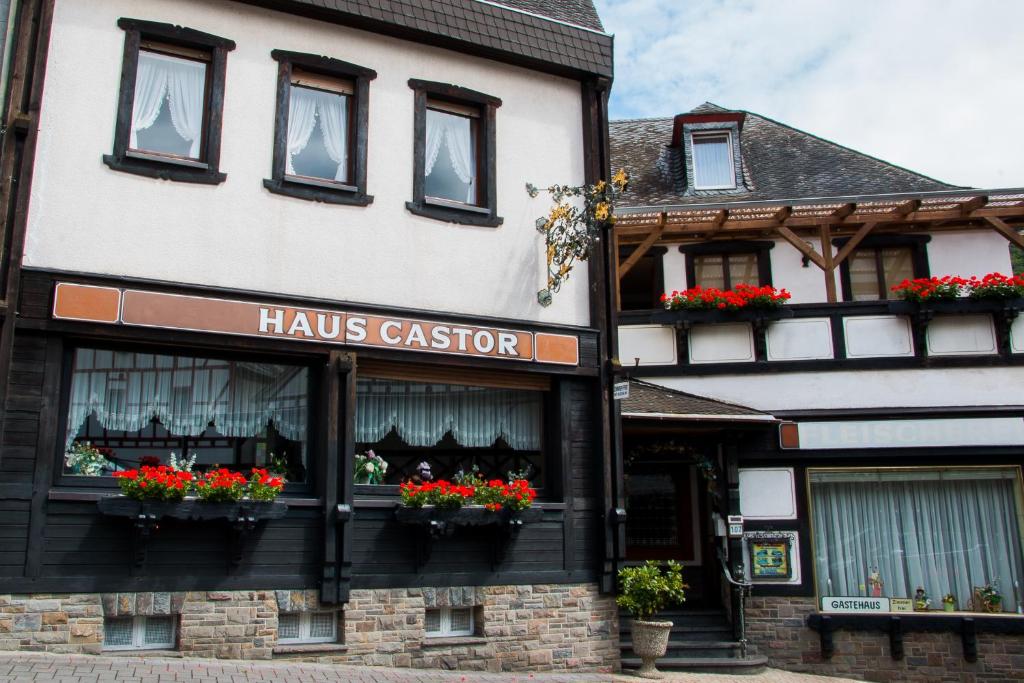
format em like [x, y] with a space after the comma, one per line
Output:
[782, 214]
[720, 218]
[845, 210]
[907, 207]
[972, 205]
[1006, 231]
[801, 246]
[854, 241]
[615, 269]
[830, 266]
[639, 252]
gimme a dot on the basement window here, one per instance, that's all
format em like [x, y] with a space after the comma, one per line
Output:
[443, 622]
[139, 633]
[307, 627]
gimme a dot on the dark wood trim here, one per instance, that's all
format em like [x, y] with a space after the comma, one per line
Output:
[487, 181]
[330, 478]
[760, 248]
[46, 444]
[207, 172]
[327, 192]
[917, 243]
[349, 367]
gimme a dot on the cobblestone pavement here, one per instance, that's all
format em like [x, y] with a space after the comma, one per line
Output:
[26, 667]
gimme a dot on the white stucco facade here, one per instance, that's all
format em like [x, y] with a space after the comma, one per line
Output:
[88, 218]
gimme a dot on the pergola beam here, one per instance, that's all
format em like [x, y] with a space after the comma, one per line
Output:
[801, 246]
[857, 238]
[639, 252]
[1006, 231]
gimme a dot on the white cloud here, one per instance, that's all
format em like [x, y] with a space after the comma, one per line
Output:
[933, 85]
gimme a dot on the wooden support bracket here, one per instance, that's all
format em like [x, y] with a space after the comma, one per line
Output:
[1006, 231]
[642, 249]
[801, 246]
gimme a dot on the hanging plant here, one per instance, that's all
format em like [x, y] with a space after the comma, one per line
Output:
[571, 230]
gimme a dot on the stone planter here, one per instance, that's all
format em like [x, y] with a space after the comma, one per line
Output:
[650, 641]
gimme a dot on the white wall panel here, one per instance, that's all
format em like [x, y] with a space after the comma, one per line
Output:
[674, 268]
[955, 335]
[722, 343]
[652, 344]
[1017, 335]
[799, 339]
[968, 253]
[877, 336]
[87, 217]
[767, 493]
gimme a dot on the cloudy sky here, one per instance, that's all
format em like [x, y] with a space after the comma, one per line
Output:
[936, 86]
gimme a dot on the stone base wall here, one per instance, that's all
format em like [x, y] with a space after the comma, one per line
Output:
[777, 628]
[518, 628]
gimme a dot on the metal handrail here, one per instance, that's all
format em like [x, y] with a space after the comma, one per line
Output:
[741, 586]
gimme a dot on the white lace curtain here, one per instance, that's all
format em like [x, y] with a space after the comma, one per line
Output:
[127, 390]
[455, 133]
[179, 82]
[307, 107]
[946, 532]
[712, 163]
[421, 414]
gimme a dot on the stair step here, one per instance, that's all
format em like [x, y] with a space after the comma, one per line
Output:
[708, 617]
[691, 633]
[750, 665]
[708, 649]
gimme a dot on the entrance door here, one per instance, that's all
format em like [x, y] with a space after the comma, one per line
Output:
[667, 518]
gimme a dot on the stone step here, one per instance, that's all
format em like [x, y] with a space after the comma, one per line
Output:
[690, 633]
[682, 618]
[705, 649]
[750, 665]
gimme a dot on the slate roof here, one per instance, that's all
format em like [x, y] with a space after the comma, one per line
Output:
[510, 31]
[779, 162]
[655, 400]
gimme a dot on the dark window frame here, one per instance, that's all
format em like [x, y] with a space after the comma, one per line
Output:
[326, 191]
[316, 419]
[919, 257]
[483, 214]
[658, 286]
[760, 248]
[207, 169]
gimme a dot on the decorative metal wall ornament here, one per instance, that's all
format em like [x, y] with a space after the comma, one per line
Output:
[570, 230]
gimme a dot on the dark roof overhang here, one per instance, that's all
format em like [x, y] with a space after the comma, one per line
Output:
[736, 117]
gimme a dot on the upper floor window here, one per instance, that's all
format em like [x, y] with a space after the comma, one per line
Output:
[320, 140]
[454, 155]
[171, 102]
[723, 265]
[642, 285]
[713, 167]
[880, 263]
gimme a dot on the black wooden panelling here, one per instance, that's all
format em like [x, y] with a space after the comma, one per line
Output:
[13, 536]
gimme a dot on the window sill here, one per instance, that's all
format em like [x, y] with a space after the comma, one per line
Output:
[130, 652]
[312, 190]
[455, 214]
[309, 648]
[453, 641]
[165, 168]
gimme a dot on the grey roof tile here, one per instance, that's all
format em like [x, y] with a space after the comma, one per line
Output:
[779, 162]
[648, 398]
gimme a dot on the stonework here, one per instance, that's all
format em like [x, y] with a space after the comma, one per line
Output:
[518, 628]
[776, 627]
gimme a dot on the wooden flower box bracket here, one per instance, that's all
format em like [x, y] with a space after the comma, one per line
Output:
[921, 313]
[242, 518]
[431, 524]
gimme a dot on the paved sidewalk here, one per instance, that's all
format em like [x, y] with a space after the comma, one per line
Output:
[28, 667]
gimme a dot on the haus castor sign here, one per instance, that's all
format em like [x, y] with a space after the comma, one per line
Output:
[140, 308]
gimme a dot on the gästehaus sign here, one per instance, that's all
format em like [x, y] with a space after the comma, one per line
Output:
[139, 308]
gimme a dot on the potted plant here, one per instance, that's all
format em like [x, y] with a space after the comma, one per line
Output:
[988, 599]
[949, 602]
[369, 468]
[643, 592]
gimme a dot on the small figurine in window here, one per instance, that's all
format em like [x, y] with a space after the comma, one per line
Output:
[875, 582]
[921, 600]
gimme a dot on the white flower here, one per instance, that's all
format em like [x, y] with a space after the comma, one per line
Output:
[369, 467]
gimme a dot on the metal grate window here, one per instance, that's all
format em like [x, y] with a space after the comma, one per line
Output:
[449, 621]
[307, 627]
[139, 633]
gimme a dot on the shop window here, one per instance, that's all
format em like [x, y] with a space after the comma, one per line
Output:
[454, 156]
[880, 263]
[307, 627]
[642, 286]
[320, 139]
[723, 265]
[440, 622]
[139, 408]
[713, 167]
[890, 532]
[139, 633]
[446, 427]
[171, 103]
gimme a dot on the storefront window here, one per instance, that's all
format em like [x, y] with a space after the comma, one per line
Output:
[449, 427]
[127, 409]
[920, 534]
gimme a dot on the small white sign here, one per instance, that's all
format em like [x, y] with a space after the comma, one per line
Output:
[621, 390]
[735, 526]
[988, 431]
[850, 604]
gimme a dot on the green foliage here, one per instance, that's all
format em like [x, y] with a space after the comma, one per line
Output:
[646, 590]
[1017, 258]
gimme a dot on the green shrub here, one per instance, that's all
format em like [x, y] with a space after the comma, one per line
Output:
[646, 590]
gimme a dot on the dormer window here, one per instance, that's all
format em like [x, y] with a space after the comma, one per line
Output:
[713, 161]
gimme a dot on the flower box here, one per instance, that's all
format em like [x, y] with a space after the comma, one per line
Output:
[963, 305]
[442, 521]
[711, 316]
[191, 509]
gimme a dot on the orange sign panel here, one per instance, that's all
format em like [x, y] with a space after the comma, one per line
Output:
[224, 316]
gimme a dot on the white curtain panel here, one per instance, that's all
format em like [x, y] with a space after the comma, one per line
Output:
[307, 107]
[127, 390]
[946, 532]
[455, 132]
[712, 163]
[182, 83]
[421, 414]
